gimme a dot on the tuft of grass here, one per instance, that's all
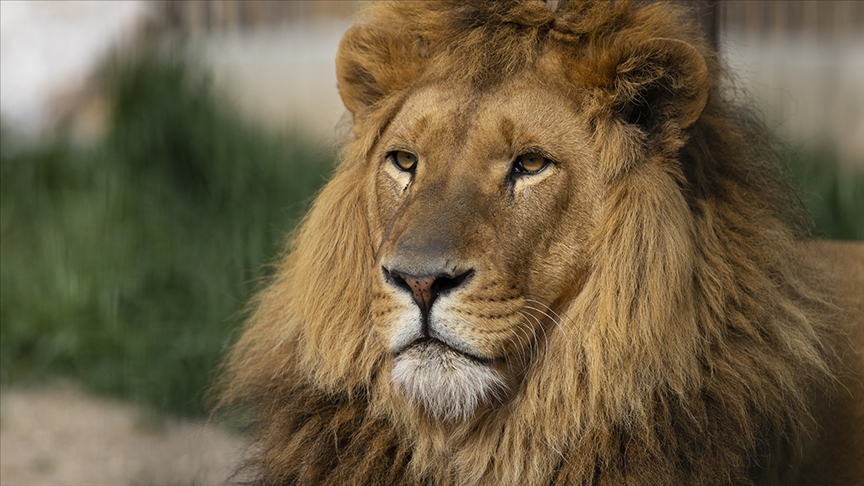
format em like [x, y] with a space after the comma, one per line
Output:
[127, 265]
[833, 193]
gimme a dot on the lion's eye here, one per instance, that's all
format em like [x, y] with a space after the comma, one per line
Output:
[405, 161]
[530, 163]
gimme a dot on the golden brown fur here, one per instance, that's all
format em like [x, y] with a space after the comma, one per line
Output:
[637, 312]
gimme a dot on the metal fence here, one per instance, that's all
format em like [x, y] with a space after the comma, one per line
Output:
[195, 16]
[823, 19]
[833, 19]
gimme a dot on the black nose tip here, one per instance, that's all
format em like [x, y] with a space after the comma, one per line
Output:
[425, 288]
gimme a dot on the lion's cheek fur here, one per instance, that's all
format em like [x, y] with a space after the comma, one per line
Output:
[330, 317]
[644, 315]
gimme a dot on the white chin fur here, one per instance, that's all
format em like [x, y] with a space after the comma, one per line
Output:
[448, 384]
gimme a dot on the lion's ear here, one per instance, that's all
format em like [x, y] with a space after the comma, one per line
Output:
[660, 80]
[373, 62]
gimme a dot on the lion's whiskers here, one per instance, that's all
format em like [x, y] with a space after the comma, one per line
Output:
[536, 350]
[558, 320]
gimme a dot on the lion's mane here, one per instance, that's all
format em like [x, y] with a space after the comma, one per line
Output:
[701, 340]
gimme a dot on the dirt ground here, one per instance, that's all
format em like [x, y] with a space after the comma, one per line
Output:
[61, 436]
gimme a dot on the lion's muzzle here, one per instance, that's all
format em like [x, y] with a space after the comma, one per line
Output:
[425, 288]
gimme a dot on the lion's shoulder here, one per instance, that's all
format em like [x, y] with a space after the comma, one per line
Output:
[838, 453]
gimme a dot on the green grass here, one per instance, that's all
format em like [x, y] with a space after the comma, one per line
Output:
[126, 265]
[834, 194]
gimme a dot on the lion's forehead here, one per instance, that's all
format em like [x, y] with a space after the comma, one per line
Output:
[456, 122]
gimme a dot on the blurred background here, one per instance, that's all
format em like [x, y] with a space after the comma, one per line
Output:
[155, 154]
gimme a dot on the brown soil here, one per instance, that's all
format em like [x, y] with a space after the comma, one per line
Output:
[60, 436]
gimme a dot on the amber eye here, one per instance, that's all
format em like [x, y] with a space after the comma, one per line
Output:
[403, 160]
[530, 163]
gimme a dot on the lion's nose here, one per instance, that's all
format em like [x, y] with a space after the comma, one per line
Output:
[425, 288]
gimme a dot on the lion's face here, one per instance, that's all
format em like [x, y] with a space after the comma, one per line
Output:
[490, 189]
[484, 203]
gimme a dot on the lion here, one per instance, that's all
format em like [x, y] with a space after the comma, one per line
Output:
[556, 250]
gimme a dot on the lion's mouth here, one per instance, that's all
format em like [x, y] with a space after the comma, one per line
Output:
[432, 348]
[448, 382]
